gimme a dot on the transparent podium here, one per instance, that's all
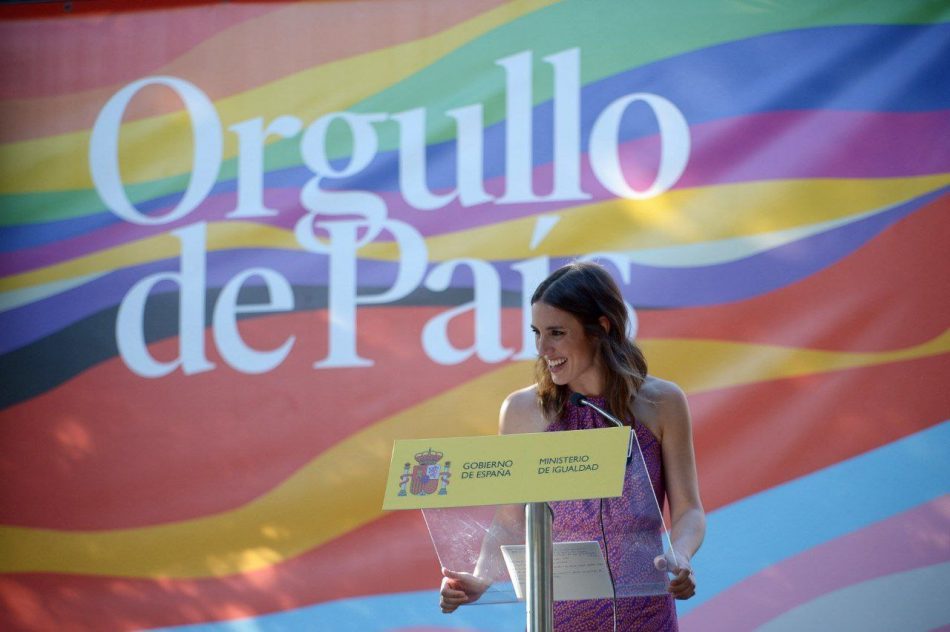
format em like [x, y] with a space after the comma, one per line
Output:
[599, 548]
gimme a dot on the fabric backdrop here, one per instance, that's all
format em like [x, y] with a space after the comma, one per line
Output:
[245, 246]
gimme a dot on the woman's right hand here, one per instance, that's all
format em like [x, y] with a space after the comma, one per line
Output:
[459, 588]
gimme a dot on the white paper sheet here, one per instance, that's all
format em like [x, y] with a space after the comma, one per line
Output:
[580, 571]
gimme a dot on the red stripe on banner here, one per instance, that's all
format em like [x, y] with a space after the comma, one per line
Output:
[127, 44]
[268, 41]
[223, 436]
[23, 9]
[809, 423]
[905, 268]
[402, 559]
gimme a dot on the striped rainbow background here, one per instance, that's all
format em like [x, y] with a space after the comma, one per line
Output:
[795, 282]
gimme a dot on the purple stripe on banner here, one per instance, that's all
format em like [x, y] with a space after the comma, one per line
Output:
[799, 145]
[651, 287]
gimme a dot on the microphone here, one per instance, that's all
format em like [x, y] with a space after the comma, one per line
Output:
[579, 400]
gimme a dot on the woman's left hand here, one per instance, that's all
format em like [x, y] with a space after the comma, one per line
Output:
[683, 583]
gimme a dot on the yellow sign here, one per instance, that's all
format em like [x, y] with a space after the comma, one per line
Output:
[502, 469]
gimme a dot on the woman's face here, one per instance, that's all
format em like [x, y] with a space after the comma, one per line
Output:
[560, 339]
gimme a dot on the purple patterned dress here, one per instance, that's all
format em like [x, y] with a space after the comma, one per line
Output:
[633, 512]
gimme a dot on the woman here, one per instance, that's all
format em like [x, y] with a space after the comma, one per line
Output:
[580, 322]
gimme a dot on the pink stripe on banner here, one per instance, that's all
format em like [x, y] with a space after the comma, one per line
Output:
[817, 144]
[910, 540]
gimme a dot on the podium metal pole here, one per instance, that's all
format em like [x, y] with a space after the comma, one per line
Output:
[539, 588]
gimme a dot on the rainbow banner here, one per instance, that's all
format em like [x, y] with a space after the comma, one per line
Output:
[246, 246]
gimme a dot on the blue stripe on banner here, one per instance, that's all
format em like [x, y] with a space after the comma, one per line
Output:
[742, 539]
[379, 613]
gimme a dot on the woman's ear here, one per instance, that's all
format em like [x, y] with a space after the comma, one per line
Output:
[604, 323]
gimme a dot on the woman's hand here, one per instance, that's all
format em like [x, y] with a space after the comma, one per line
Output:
[683, 583]
[459, 588]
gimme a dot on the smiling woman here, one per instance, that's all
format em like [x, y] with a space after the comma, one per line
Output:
[579, 315]
[580, 324]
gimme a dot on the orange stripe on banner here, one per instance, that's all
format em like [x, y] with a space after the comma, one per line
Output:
[753, 437]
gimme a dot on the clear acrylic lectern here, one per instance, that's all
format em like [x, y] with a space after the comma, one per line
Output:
[558, 548]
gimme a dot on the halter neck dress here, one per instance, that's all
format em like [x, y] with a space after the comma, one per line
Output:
[634, 511]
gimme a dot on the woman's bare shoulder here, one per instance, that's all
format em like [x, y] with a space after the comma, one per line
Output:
[661, 405]
[661, 392]
[520, 412]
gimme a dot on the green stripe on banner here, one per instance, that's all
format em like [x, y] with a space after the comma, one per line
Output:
[618, 36]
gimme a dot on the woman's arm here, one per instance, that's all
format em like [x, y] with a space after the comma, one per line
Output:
[688, 519]
[519, 413]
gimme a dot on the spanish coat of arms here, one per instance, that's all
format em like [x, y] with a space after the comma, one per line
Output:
[428, 477]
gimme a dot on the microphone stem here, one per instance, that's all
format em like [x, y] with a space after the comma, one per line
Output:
[603, 413]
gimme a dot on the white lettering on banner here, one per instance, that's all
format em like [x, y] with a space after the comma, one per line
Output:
[567, 125]
[486, 307]
[250, 174]
[413, 161]
[130, 334]
[674, 146]
[224, 323]
[338, 223]
[130, 322]
[469, 170]
[343, 297]
[320, 202]
[518, 129]
[104, 150]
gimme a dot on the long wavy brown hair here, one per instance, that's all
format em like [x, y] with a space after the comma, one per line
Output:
[587, 291]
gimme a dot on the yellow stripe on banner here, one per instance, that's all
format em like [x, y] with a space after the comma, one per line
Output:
[674, 218]
[335, 493]
[18, 298]
[152, 148]
[349, 477]
[698, 365]
[682, 216]
[719, 251]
